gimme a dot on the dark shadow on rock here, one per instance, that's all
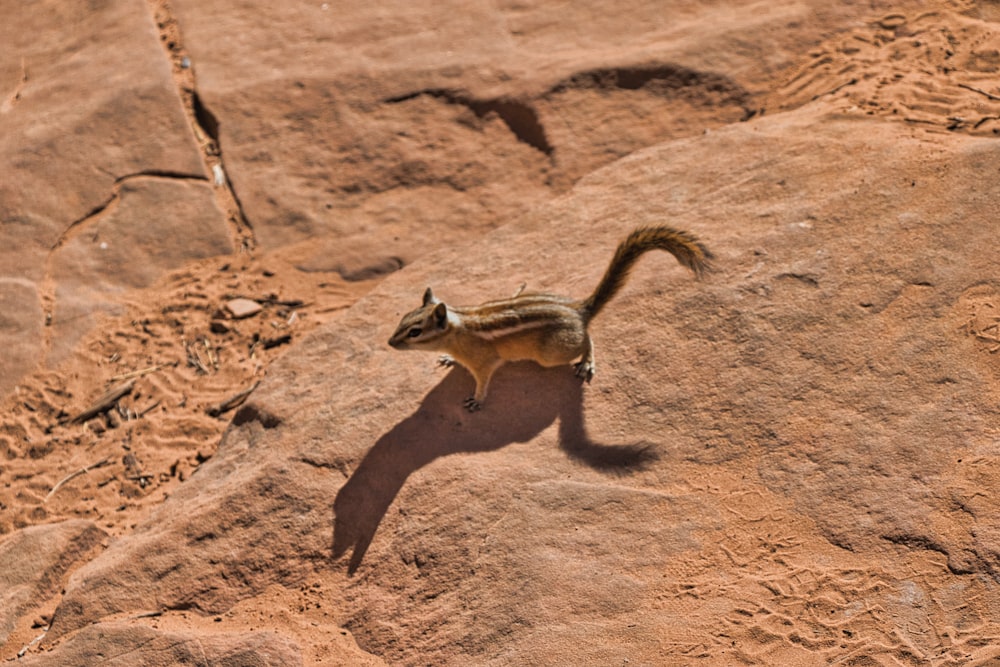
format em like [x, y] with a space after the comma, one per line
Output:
[523, 401]
[573, 440]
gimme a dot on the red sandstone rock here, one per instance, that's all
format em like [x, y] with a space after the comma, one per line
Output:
[121, 644]
[34, 563]
[124, 249]
[748, 445]
[790, 462]
[88, 102]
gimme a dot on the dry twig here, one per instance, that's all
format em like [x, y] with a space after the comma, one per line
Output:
[20, 654]
[82, 471]
[104, 403]
[194, 359]
[150, 408]
[141, 372]
[980, 91]
[212, 356]
[231, 402]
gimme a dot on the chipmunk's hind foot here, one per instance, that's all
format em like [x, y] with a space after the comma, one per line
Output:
[585, 368]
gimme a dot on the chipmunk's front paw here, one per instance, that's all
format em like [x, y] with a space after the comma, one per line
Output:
[446, 360]
[585, 370]
[471, 404]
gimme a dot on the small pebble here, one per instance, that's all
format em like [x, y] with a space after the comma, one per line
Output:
[219, 327]
[242, 308]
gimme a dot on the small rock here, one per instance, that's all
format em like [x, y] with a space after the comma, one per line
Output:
[242, 308]
[219, 327]
[275, 342]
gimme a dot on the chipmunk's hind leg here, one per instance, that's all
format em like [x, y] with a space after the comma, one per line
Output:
[585, 368]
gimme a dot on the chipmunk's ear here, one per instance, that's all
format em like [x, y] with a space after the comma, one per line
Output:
[429, 297]
[440, 315]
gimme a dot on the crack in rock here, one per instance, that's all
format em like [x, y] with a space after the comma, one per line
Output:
[204, 124]
[113, 199]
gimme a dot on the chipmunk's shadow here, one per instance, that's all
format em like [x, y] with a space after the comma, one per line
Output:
[524, 400]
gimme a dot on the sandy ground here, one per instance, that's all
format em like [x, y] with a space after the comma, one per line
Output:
[181, 365]
[182, 356]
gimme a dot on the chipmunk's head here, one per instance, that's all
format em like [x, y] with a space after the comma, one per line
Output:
[422, 329]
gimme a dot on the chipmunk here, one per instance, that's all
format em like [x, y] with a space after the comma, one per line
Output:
[549, 329]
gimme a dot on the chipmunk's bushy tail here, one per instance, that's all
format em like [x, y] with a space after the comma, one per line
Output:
[688, 250]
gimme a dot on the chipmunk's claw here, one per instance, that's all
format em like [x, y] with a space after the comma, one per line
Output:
[585, 370]
[471, 404]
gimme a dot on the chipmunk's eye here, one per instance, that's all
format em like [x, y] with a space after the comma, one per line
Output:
[414, 332]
